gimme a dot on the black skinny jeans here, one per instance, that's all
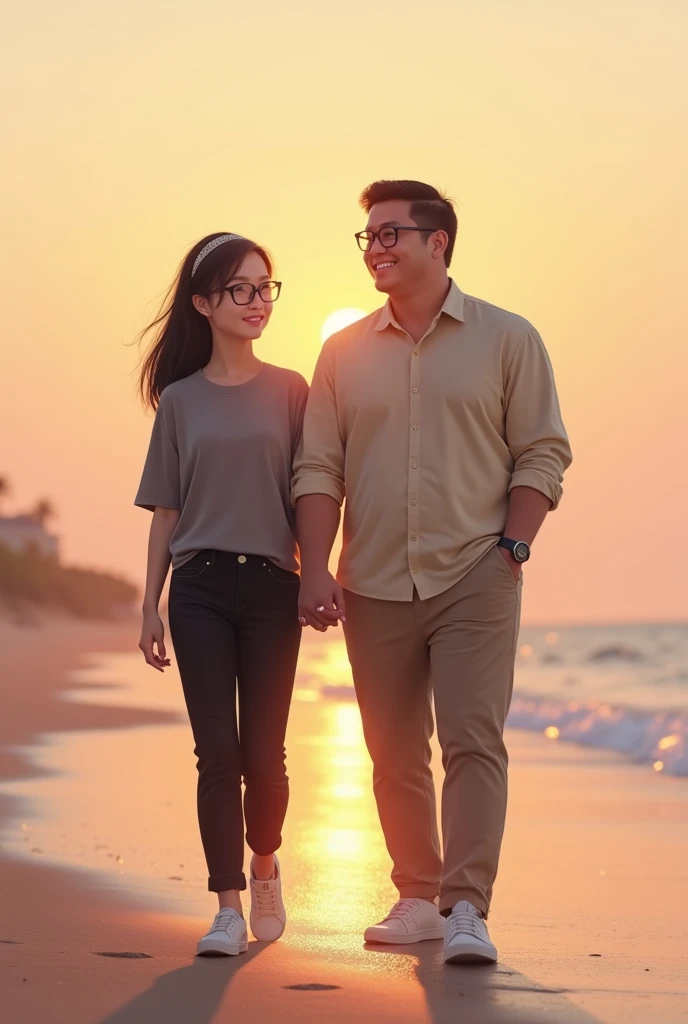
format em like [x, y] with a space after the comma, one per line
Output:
[234, 622]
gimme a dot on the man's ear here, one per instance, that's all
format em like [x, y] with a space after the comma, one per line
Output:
[440, 242]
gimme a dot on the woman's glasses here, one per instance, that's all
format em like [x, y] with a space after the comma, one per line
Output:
[243, 294]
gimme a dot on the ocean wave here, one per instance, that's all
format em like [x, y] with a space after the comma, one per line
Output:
[618, 688]
[657, 738]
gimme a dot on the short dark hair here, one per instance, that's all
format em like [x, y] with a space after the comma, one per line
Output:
[430, 208]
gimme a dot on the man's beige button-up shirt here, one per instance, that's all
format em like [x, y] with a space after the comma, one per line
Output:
[426, 440]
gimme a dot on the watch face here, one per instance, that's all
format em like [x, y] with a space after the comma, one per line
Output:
[521, 551]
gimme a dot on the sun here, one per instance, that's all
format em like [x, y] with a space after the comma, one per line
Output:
[338, 320]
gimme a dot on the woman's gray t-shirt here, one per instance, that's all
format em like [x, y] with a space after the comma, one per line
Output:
[223, 456]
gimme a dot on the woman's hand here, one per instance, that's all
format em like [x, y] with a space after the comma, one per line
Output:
[152, 641]
[153, 631]
[321, 601]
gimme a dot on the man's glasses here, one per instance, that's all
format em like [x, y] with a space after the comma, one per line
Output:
[388, 236]
[243, 294]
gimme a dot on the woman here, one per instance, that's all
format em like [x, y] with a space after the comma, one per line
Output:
[217, 480]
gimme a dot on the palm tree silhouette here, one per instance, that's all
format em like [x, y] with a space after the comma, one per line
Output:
[5, 488]
[43, 511]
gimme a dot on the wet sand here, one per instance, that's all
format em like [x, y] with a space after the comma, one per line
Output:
[594, 863]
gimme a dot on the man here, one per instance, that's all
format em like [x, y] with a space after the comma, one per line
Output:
[437, 418]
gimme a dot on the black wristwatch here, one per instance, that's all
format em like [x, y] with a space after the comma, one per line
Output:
[518, 548]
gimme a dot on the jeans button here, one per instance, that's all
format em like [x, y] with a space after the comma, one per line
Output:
[241, 559]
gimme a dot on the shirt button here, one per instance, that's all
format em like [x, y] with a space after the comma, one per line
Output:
[415, 391]
[413, 502]
[414, 538]
[414, 465]
[415, 351]
[241, 559]
[415, 426]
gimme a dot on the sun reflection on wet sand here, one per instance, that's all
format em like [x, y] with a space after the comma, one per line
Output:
[334, 834]
[123, 803]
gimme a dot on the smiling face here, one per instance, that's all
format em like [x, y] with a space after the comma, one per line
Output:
[238, 319]
[414, 258]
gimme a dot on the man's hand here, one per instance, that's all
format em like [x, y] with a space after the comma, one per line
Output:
[514, 566]
[321, 601]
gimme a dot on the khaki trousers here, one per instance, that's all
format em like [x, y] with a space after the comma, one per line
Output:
[459, 645]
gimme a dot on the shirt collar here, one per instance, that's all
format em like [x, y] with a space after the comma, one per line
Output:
[452, 305]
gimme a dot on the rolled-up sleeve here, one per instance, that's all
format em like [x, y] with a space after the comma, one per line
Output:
[319, 462]
[160, 479]
[535, 433]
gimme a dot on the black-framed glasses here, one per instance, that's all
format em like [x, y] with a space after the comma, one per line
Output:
[244, 293]
[388, 236]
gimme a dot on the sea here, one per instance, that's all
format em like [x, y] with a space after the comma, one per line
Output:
[121, 802]
[621, 688]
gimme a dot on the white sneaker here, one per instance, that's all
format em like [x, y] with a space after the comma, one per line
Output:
[268, 916]
[409, 920]
[227, 935]
[466, 940]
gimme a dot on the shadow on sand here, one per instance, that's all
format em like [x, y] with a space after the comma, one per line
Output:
[489, 995]
[187, 995]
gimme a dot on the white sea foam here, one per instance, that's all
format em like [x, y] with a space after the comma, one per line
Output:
[660, 739]
[622, 688]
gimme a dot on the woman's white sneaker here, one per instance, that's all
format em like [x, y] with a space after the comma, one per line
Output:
[409, 920]
[466, 939]
[268, 917]
[227, 935]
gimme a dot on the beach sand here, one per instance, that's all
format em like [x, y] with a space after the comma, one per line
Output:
[587, 913]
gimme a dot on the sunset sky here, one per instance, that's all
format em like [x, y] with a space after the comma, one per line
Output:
[132, 129]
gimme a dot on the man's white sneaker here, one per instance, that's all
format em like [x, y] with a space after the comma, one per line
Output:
[227, 935]
[268, 917]
[409, 920]
[466, 940]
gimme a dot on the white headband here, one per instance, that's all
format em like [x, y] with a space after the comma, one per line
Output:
[220, 240]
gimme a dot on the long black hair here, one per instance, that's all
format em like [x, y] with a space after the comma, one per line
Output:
[181, 336]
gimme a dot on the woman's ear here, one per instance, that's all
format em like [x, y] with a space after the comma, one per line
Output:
[201, 305]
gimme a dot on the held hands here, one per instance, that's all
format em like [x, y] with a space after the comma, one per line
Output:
[152, 637]
[321, 601]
